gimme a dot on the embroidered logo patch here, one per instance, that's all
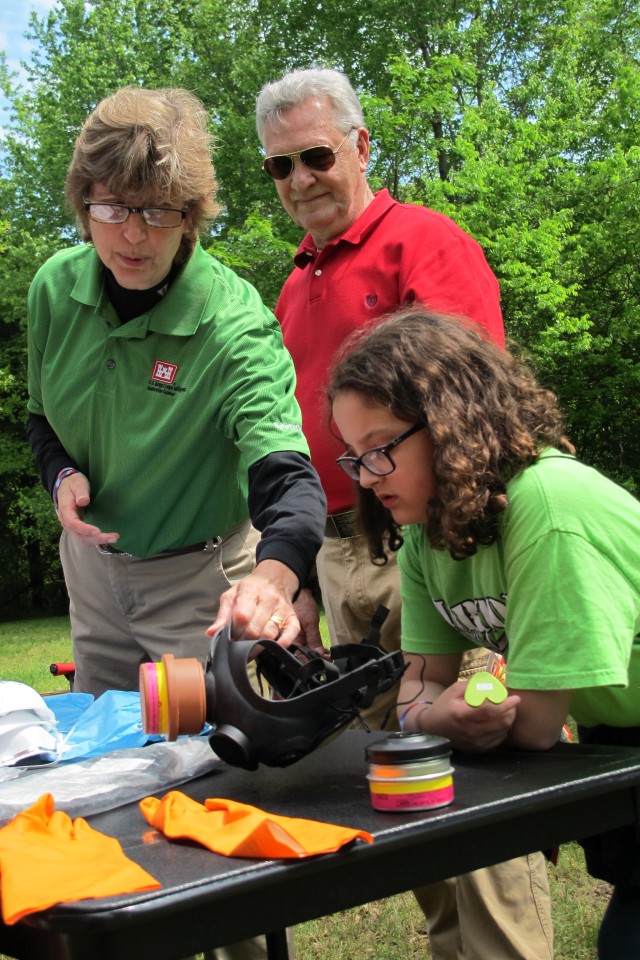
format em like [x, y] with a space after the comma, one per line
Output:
[164, 372]
[371, 299]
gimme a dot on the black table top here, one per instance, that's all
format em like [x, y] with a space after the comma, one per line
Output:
[506, 804]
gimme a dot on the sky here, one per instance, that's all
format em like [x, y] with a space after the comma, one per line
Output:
[14, 20]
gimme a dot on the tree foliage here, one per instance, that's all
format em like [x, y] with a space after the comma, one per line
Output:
[28, 555]
[520, 121]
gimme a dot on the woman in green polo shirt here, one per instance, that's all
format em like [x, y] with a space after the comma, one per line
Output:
[161, 407]
[507, 541]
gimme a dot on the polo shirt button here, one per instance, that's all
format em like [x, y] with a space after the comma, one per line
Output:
[318, 273]
[111, 364]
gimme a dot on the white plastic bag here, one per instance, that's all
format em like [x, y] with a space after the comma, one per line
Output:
[111, 780]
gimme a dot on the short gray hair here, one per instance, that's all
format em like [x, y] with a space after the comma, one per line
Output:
[294, 88]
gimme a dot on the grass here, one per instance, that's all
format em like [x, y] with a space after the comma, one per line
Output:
[27, 647]
[392, 929]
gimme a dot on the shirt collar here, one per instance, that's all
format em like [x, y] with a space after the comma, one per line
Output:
[355, 234]
[194, 290]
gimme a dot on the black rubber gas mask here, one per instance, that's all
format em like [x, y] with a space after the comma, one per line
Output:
[311, 697]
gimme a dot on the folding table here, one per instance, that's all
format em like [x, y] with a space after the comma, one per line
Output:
[506, 804]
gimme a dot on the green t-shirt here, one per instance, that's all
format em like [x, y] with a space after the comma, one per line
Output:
[166, 413]
[558, 593]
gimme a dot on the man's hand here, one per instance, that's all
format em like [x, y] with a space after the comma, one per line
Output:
[308, 614]
[260, 605]
[73, 497]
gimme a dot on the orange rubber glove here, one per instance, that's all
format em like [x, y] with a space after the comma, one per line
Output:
[239, 830]
[47, 858]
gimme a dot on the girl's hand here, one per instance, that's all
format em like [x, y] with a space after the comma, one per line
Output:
[473, 729]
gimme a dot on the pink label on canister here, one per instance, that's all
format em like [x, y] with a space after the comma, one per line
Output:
[413, 801]
[150, 705]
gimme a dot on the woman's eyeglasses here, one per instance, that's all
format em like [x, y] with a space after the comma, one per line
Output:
[280, 165]
[377, 460]
[119, 212]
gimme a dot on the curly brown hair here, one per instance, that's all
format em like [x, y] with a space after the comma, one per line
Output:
[151, 144]
[487, 417]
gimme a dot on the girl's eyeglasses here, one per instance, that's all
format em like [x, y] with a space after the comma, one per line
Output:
[377, 460]
[280, 165]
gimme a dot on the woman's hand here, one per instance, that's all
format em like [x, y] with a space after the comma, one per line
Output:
[73, 497]
[259, 606]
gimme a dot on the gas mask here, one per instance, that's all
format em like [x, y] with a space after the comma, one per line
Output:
[311, 697]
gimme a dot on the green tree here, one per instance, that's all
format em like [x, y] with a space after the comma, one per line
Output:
[30, 576]
[520, 121]
[83, 51]
[526, 135]
[257, 254]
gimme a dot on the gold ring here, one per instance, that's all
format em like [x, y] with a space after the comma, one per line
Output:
[279, 622]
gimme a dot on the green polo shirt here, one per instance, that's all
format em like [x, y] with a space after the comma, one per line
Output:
[166, 413]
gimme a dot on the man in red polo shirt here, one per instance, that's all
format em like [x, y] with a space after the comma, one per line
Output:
[363, 256]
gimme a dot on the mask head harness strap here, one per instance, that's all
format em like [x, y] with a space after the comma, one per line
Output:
[312, 697]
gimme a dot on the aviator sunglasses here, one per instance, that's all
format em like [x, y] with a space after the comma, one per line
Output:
[323, 157]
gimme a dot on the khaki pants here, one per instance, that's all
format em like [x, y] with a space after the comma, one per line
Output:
[498, 913]
[127, 610]
[352, 589]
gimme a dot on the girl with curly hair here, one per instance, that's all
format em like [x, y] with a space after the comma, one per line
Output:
[507, 541]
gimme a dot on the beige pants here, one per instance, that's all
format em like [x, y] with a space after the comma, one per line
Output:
[498, 913]
[352, 590]
[126, 610]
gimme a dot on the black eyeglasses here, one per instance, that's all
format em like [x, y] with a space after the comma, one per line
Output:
[377, 460]
[103, 212]
[280, 165]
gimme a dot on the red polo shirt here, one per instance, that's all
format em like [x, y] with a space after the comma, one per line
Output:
[392, 255]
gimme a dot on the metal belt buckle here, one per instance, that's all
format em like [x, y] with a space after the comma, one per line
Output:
[108, 551]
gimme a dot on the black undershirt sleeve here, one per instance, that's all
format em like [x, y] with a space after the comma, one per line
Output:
[50, 456]
[287, 504]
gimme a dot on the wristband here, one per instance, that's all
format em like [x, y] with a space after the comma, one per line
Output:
[418, 703]
[66, 472]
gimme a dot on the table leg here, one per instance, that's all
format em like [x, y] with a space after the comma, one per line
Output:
[277, 946]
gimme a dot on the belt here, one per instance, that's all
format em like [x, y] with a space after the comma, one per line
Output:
[192, 548]
[341, 525]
